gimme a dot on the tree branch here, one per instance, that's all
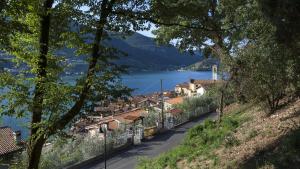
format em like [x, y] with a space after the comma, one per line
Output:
[106, 8]
[144, 16]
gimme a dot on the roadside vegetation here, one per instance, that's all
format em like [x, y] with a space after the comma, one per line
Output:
[246, 138]
[200, 141]
[66, 151]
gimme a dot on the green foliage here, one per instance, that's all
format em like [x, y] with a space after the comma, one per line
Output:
[151, 118]
[200, 141]
[249, 37]
[264, 75]
[196, 104]
[65, 152]
[231, 140]
[286, 20]
[38, 89]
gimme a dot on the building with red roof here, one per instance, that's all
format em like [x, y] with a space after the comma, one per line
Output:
[10, 141]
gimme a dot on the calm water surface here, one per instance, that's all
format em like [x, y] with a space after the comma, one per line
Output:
[143, 83]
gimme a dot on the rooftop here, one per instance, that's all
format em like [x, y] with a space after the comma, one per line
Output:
[206, 83]
[7, 141]
[176, 100]
[175, 111]
[183, 85]
[129, 117]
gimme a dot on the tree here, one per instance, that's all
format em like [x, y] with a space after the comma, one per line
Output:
[285, 16]
[226, 29]
[266, 68]
[200, 25]
[54, 25]
[8, 23]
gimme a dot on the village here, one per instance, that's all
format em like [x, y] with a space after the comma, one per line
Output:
[141, 117]
[128, 122]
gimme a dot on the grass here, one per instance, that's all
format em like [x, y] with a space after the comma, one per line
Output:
[200, 141]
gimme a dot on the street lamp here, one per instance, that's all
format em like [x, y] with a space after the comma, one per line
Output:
[103, 129]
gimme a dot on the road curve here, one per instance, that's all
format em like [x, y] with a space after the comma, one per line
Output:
[127, 159]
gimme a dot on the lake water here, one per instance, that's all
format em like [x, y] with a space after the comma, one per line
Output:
[143, 83]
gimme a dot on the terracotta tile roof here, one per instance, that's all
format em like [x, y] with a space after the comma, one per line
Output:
[133, 118]
[183, 85]
[7, 141]
[176, 100]
[175, 112]
[93, 122]
[129, 117]
[112, 125]
[207, 83]
[138, 99]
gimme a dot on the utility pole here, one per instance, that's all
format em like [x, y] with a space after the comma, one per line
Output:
[162, 104]
[103, 128]
[105, 148]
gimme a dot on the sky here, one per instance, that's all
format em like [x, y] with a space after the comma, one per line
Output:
[147, 33]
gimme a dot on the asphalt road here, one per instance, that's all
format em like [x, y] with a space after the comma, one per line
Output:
[161, 143]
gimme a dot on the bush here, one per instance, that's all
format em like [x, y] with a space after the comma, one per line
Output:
[231, 140]
[67, 152]
[64, 152]
[151, 118]
[196, 106]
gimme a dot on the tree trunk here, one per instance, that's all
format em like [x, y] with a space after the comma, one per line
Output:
[34, 153]
[221, 107]
[37, 141]
[106, 8]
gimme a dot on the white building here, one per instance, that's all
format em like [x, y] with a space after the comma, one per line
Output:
[194, 87]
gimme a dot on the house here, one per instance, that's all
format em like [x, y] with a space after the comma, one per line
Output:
[139, 102]
[170, 103]
[181, 89]
[125, 121]
[10, 141]
[194, 87]
[132, 117]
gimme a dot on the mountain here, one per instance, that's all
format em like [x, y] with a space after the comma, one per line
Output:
[143, 54]
[203, 65]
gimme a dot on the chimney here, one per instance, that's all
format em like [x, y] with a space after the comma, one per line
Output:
[18, 137]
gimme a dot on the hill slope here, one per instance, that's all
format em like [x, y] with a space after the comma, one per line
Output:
[203, 65]
[143, 55]
[246, 138]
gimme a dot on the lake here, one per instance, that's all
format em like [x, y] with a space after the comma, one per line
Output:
[143, 83]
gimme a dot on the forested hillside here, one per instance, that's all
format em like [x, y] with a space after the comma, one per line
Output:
[138, 52]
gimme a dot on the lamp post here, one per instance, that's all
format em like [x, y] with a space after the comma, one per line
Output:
[103, 128]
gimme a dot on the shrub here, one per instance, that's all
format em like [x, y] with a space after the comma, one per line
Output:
[231, 140]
